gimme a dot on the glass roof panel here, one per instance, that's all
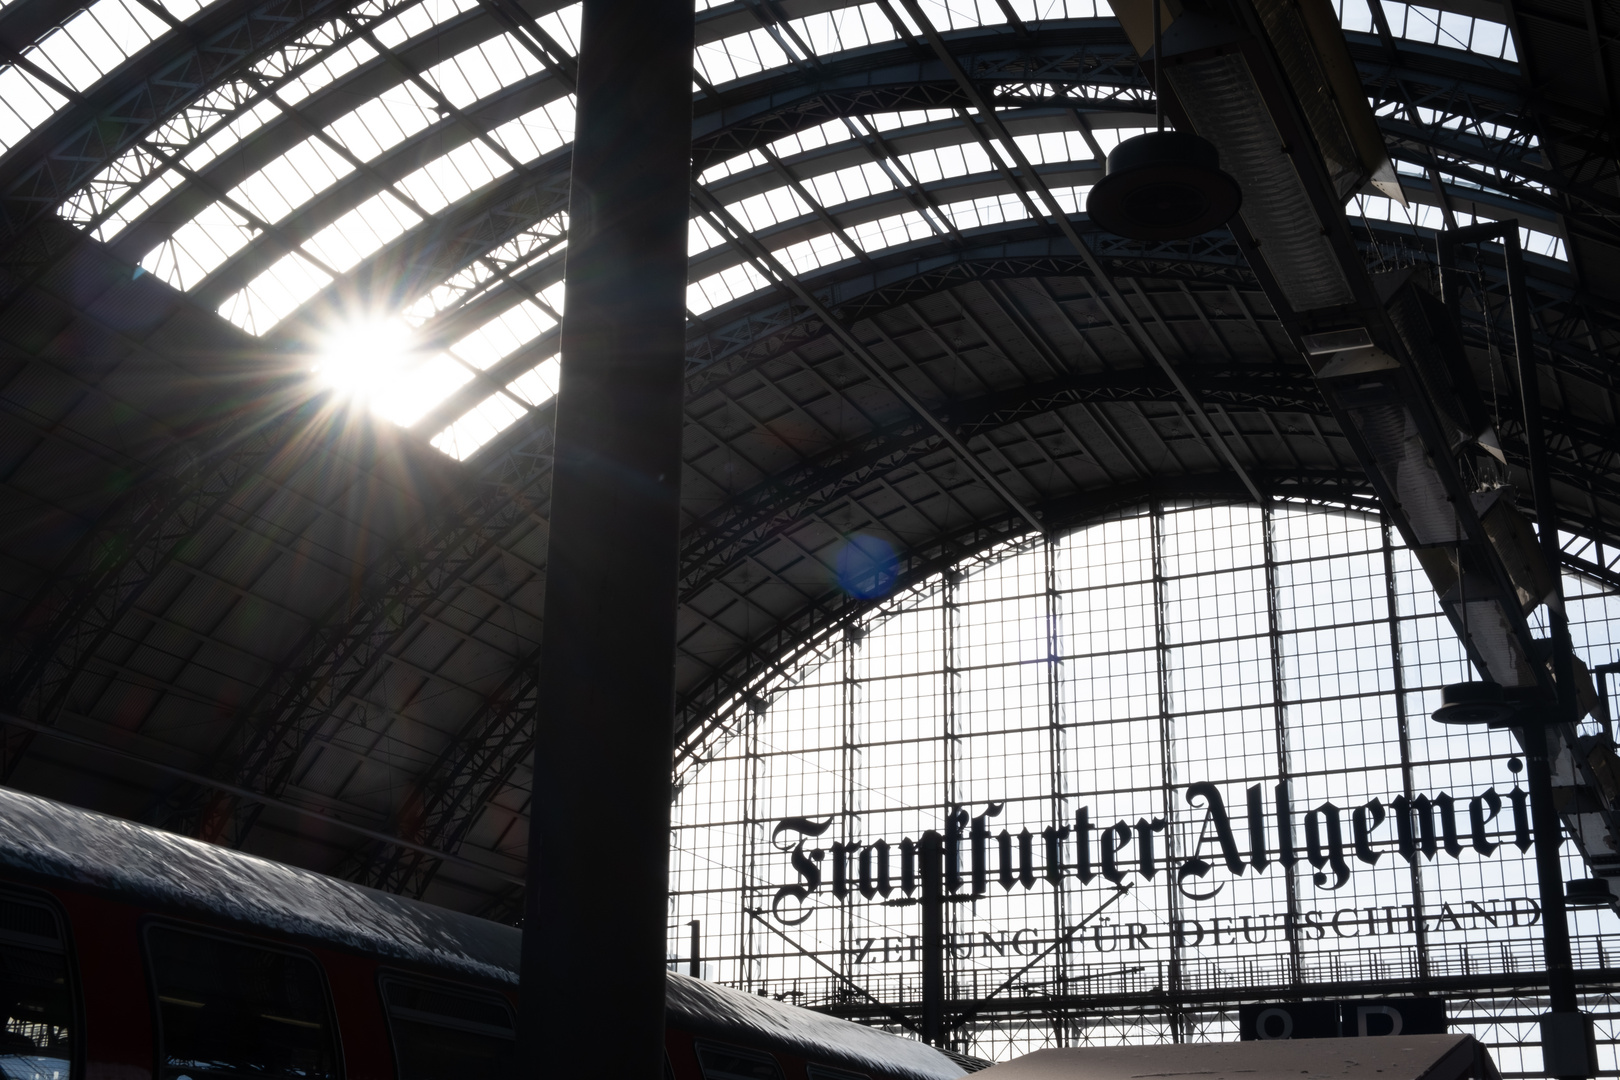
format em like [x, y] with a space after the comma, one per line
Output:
[292, 180]
[739, 56]
[539, 384]
[1432, 27]
[846, 28]
[544, 239]
[199, 246]
[488, 419]
[504, 334]
[491, 68]
[385, 121]
[25, 103]
[1431, 218]
[539, 131]
[96, 40]
[445, 179]
[280, 289]
[486, 68]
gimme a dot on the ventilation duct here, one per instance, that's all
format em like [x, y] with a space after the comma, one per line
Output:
[1271, 84]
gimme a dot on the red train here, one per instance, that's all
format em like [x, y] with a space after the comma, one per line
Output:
[127, 953]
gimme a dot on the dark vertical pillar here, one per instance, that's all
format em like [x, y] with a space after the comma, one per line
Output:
[694, 963]
[1567, 1048]
[933, 938]
[1549, 832]
[594, 938]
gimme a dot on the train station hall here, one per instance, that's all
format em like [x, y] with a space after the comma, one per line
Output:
[809, 539]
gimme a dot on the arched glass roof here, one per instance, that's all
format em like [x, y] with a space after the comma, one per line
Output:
[290, 197]
[900, 321]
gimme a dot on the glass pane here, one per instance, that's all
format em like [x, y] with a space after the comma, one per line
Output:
[823, 1072]
[444, 1033]
[735, 1063]
[230, 1009]
[35, 993]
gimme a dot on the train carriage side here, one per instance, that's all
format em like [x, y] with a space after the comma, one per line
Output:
[127, 953]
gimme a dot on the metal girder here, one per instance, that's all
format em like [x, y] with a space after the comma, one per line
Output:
[296, 704]
[102, 580]
[446, 799]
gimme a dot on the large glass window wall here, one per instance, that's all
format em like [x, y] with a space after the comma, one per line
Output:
[1228, 705]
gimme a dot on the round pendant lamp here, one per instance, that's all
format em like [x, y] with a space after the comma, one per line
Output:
[1163, 185]
[1474, 703]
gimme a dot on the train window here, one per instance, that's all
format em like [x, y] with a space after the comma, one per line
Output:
[444, 1032]
[826, 1072]
[36, 993]
[736, 1063]
[231, 1010]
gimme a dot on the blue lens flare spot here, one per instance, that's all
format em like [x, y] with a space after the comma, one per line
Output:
[867, 566]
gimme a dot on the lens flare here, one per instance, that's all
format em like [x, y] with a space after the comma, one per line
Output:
[867, 566]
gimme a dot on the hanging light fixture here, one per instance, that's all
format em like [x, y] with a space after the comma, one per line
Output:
[1163, 185]
[1475, 703]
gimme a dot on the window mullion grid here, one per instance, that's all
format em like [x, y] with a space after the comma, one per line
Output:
[1280, 728]
[1165, 698]
[1056, 739]
[1403, 734]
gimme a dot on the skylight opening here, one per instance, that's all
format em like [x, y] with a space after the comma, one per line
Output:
[847, 185]
[324, 72]
[944, 162]
[847, 28]
[720, 289]
[275, 292]
[376, 363]
[25, 103]
[805, 256]
[488, 419]
[215, 119]
[291, 180]
[378, 221]
[814, 253]
[96, 40]
[1431, 26]
[738, 56]
[509, 331]
[500, 411]
[483, 70]
[545, 239]
[198, 246]
[1423, 216]
[563, 26]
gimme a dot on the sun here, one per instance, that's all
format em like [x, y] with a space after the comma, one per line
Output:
[364, 361]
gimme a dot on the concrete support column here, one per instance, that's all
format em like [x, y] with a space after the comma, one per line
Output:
[594, 935]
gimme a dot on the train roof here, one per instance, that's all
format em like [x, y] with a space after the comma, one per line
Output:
[49, 840]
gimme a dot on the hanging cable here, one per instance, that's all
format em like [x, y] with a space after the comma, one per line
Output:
[1158, 101]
